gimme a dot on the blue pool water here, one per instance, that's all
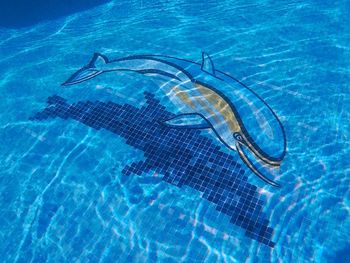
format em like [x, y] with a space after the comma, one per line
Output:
[77, 186]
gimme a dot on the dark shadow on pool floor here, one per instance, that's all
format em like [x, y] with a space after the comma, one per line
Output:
[22, 13]
[182, 157]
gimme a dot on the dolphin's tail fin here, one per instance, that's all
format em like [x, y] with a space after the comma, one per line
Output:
[95, 67]
[98, 61]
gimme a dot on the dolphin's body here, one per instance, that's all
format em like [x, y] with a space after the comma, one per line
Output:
[207, 98]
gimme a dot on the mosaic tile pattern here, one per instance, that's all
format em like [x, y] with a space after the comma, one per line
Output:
[181, 156]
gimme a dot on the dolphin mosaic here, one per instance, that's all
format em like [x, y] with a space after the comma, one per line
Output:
[180, 157]
[207, 99]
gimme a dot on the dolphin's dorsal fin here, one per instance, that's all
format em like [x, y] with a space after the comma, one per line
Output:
[98, 61]
[207, 64]
[188, 121]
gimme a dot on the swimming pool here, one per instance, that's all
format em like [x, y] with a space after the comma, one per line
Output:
[112, 168]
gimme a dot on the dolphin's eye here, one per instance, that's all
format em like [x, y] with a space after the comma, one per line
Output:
[238, 136]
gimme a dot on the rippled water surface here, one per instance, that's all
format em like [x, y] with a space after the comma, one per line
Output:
[63, 197]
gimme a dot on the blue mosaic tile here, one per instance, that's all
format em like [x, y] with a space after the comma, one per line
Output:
[183, 157]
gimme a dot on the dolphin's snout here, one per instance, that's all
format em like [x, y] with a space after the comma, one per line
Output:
[253, 162]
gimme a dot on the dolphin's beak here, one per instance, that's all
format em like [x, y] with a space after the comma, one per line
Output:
[249, 158]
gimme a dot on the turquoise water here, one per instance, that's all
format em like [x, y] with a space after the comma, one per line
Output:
[63, 197]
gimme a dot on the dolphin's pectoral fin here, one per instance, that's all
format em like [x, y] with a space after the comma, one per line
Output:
[188, 121]
[207, 64]
[252, 167]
